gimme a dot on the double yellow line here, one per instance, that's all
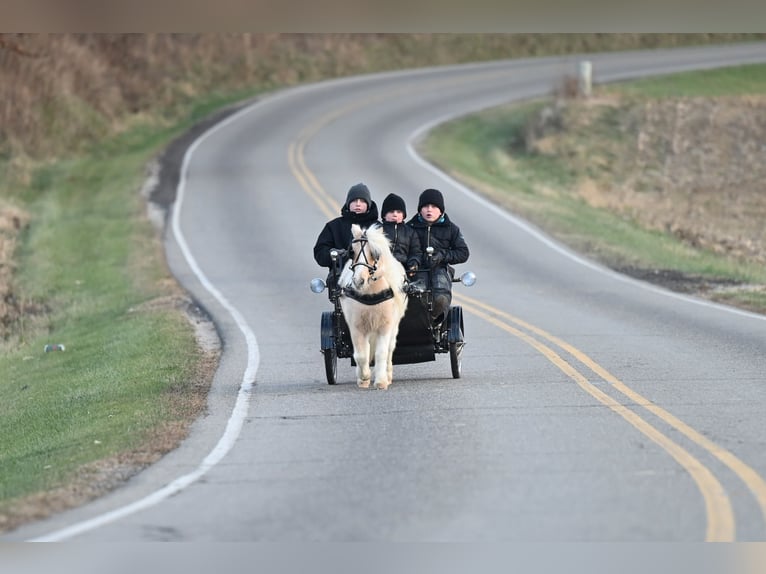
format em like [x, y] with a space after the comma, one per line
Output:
[720, 516]
[721, 523]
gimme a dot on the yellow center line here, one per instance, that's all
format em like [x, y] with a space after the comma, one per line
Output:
[720, 517]
[747, 474]
[295, 153]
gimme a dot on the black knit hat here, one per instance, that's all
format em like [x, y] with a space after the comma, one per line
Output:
[391, 203]
[359, 191]
[433, 197]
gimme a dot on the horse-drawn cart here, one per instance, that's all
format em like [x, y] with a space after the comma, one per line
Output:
[418, 340]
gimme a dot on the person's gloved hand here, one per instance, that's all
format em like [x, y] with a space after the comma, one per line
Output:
[412, 268]
[340, 253]
[437, 258]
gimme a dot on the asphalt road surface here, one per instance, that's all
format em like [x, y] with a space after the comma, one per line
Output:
[592, 407]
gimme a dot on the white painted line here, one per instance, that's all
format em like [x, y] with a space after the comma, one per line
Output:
[418, 133]
[239, 412]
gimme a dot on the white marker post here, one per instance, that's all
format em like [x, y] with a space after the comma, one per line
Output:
[586, 75]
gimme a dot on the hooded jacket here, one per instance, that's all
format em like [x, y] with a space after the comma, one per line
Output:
[449, 246]
[336, 233]
[405, 243]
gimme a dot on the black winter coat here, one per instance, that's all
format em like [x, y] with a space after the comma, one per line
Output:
[449, 246]
[336, 233]
[405, 243]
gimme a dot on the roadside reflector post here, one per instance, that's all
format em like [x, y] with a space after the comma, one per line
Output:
[586, 78]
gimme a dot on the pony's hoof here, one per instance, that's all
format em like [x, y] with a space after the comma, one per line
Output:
[382, 385]
[363, 384]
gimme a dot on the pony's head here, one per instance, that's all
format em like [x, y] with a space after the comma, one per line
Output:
[369, 256]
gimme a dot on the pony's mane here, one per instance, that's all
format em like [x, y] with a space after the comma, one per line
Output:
[378, 239]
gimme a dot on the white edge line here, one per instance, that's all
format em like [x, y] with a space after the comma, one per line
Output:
[239, 412]
[418, 133]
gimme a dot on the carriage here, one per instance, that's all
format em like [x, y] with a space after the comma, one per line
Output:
[417, 341]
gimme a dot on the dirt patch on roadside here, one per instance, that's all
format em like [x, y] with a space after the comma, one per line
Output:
[12, 307]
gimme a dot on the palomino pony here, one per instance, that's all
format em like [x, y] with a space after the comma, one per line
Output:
[373, 300]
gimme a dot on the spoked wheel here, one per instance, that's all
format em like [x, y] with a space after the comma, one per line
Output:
[331, 366]
[456, 340]
[329, 351]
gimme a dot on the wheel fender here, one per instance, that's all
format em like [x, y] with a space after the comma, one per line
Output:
[327, 331]
[456, 331]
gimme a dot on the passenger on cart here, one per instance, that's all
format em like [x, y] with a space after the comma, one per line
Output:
[405, 243]
[436, 230]
[359, 208]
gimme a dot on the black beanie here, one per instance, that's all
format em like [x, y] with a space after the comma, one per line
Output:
[392, 202]
[359, 191]
[432, 196]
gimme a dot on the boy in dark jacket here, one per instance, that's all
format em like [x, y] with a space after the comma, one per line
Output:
[336, 234]
[359, 208]
[435, 229]
[405, 243]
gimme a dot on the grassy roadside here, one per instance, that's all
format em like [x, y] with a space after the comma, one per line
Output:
[92, 276]
[545, 178]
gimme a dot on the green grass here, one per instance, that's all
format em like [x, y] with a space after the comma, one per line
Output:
[487, 151]
[733, 81]
[91, 260]
[87, 256]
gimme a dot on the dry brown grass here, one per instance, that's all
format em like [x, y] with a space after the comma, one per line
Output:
[690, 166]
[12, 221]
[63, 91]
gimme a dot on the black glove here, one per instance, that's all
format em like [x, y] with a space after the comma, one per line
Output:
[412, 268]
[437, 258]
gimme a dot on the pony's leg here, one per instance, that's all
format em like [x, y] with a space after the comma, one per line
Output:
[382, 361]
[362, 358]
[391, 348]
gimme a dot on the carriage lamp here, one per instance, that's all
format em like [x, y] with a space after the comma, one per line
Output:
[468, 278]
[317, 285]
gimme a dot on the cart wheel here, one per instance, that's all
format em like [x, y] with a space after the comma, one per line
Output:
[456, 359]
[329, 350]
[331, 366]
[456, 340]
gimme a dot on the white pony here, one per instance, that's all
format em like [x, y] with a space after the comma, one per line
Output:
[373, 300]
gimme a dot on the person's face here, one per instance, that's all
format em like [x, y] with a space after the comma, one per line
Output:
[430, 212]
[357, 206]
[395, 216]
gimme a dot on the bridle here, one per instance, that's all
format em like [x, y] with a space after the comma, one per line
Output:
[372, 267]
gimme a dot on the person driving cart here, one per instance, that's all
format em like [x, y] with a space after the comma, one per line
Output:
[405, 243]
[443, 245]
[359, 208]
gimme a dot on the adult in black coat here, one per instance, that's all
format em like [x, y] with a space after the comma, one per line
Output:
[405, 243]
[435, 229]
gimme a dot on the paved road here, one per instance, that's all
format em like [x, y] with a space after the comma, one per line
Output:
[592, 407]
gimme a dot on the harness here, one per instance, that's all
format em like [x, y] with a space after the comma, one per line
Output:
[351, 293]
[373, 299]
